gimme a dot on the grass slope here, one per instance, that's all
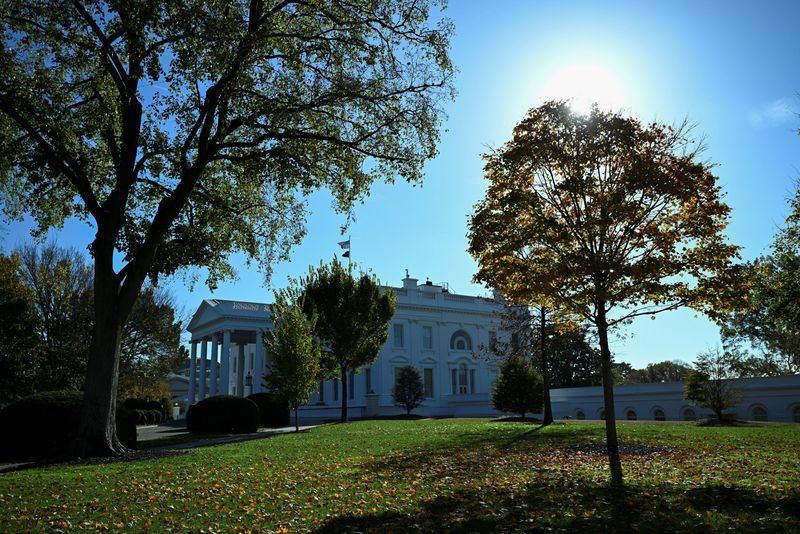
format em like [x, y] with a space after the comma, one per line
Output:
[431, 475]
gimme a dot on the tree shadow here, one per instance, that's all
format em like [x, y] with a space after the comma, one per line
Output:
[586, 507]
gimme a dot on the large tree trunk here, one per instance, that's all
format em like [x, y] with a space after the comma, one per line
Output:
[548, 408]
[97, 434]
[608, 399]
[343, 370]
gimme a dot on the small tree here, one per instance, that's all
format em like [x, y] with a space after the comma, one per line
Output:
[294, 354]
[352, 318]
[518, 388]
[712, 383]
[611, 219]
[408, 392]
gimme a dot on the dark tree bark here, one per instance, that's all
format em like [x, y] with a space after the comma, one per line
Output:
[608, 398]
[548, 408]
[296, 419]
[343, 369]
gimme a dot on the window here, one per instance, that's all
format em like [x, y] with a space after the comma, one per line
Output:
[368, 380]
[796, 414]
[321, 391]
[427, 337]
[454, 381]
[689, 415]
[460, 341]
[351, 386]
[427, 382]
[462, 379]
[252, 360]
[630, 415]
[398, 336]
[335, 389]
[492, 338]
[760, 414]
[472, 381]
[580, 415]
[658, 414]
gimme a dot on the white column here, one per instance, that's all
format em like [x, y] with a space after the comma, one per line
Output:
[241, 371]
[203, 367]
[225, 362]
[192, 375]
[214, 363]
[258, 372]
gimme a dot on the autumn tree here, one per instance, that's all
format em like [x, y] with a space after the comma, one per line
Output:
[183, 131]
[351, 313]
[712, 383]
[518, 387]
[294, 354]
[19, 358]
[408, 392]
[610, 218]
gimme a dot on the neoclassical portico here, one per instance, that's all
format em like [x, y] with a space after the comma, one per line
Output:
[227, 350]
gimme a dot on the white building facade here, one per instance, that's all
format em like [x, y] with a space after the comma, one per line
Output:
[438, 332]
[774, 398]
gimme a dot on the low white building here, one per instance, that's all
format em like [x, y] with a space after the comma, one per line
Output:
[761, 399]
[438, 332]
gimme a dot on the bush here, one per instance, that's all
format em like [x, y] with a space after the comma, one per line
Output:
[146, 405]
[223, 414]
[44, 425]
[518, 389]
[273, 412]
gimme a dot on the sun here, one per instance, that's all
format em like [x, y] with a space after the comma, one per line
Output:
[584, 85]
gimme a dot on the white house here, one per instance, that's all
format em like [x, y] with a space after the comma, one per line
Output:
[441, 334]
[438, 332]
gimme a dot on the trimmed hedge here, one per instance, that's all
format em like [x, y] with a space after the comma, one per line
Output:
[274, 413]
[144, 408]
[44, 425]
[223, 414]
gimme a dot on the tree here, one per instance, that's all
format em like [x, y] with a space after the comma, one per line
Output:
[783, 304]
[408, 392]
[533, 334]
[610, 218]
[518, 387]
[293, 353]
[18, 342]
[60, 281]
[661, 372]
[185, 130]
[352, 318]
[712, 382]
[573, 361]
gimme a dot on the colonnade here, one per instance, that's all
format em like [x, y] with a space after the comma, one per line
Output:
[213, 374]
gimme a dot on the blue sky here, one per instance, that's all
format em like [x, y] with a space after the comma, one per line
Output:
[729, 67]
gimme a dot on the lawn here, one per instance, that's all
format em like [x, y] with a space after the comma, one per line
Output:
[432, 475]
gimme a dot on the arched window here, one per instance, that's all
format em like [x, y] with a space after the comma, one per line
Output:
[689, 415]
[460, 341]
[630, 415]
[760, 414]
[580, 415]
[796, 414]
[658, 414]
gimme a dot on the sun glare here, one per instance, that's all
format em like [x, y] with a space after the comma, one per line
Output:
[584, 85]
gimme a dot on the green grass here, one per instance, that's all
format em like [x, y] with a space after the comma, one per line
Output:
[431, 475]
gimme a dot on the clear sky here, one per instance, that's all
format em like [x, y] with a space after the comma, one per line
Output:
[730, 67]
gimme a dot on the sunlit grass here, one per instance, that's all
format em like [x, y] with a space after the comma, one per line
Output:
[431, 475]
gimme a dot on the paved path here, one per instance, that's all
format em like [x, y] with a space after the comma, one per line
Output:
[178, 429]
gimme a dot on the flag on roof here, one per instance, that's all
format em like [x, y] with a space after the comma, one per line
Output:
[345, 244]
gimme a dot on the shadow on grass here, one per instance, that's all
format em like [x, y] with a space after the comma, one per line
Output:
[562, 505]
